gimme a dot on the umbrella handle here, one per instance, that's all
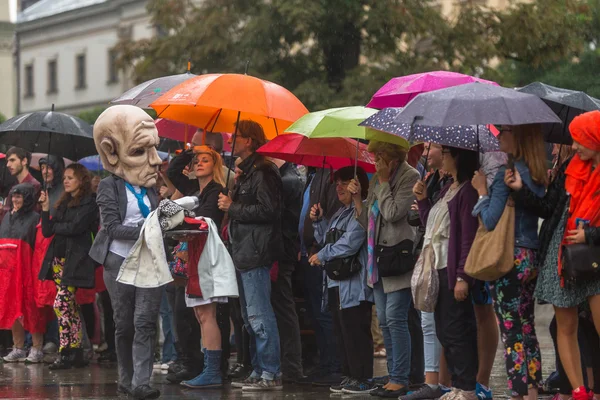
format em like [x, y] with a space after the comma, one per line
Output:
[356, 159]
[226, 189]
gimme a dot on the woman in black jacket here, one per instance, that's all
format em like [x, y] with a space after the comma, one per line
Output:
[67, 263]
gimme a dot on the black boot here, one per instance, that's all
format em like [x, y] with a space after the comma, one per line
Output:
[65, 360]
[79, 360]
[190, 369]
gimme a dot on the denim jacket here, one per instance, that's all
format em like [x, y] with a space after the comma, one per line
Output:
[354, 240]
[490, 208]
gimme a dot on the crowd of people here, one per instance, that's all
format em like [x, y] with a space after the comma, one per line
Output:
[355, 242]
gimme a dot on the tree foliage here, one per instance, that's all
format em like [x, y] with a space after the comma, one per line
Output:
[339, 52]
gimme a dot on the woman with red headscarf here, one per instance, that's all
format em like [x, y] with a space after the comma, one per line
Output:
[574, 195]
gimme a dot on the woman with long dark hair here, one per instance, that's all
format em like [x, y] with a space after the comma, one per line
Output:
[451, 229]
[67, 263]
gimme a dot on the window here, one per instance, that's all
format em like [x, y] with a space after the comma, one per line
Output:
[113, 70]
[29, 80]
[81, 82]
[52, 77]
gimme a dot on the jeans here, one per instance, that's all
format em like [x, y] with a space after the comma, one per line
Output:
[166, 316]
[433, 348]
[259, 318]
[322, 320]
[392, 311]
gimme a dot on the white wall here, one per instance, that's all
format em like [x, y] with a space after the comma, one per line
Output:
[92, 35]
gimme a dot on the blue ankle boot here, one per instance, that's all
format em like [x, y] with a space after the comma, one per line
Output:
[211, 375]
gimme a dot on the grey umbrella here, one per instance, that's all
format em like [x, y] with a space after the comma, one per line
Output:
[476, 104]
[145, 93]
[565, 103]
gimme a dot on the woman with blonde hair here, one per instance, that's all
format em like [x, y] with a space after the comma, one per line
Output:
[385, 217]
[513, 293]
[207, 165]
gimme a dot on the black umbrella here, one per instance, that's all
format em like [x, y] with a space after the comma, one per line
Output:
[49, 132]
[145, 93]
[476, 104]
[567, 104]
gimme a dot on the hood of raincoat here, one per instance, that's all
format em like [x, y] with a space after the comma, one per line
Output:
[27, 191]
[58, 167]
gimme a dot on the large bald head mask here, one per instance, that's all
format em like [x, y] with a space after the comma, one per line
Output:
[126, 139]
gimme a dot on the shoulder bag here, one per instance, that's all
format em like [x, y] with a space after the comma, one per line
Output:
[340, 269]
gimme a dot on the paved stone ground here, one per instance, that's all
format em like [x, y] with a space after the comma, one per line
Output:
[18, 381]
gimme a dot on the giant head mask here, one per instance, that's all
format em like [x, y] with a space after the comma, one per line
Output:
[126, 139]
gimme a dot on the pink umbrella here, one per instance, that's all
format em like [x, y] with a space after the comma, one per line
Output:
[398, 92]
[2, 155]
[184, 133]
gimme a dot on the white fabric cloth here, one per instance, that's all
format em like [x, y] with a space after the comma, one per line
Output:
[133, 216]
[215, 267]
[195, 301]
[146, 264]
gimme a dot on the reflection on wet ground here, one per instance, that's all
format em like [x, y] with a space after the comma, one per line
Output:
[19, 381]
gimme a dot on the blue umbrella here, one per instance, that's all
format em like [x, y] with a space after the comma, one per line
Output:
[94, 164]
[462, 136]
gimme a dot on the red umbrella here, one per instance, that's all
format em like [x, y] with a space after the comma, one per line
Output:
[2, 155]
[334, 153]
[184, 133]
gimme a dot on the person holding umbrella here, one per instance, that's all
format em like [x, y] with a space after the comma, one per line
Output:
[254, 210]
[67, 263]
[513, 293]
[52, 168]
[572, 196]
[385, 217]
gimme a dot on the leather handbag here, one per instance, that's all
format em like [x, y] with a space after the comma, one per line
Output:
[581, 262]
[340, 269]
[492, 254]
[395, 260]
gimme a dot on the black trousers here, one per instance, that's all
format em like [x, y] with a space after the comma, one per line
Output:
[417, 351]
[89, 317]
[352, 330]
[589, 346]
[456, 330]
[109, 322]
[284, 307]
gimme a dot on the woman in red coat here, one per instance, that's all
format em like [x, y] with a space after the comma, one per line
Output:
[18, 310]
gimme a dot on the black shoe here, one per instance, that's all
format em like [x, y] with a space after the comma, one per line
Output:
[239, 371]
[144, 392]
[328, 380]
[65, 360]
[107, 356]
[185, 374]
[124, 390]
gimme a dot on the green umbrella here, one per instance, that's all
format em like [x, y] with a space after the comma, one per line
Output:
[343, 122]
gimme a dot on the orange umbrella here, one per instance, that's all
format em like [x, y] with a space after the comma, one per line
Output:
[216, 101]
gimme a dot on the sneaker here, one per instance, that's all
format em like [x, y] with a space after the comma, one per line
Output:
[358, 387]
[156, 365]
[483, 392]
[50, 348]
[425, 392]
[165, 366]
[338, 388]
[16, 355]
[239, 384]
[35, 356]
[264, 385]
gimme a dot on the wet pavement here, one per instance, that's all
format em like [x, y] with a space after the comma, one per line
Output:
[19, 381]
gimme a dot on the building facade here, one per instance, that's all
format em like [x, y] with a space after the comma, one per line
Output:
[66, 52]
[7, 67]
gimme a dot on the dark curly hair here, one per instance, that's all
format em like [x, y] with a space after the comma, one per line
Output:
[347, 173]
[85, 186]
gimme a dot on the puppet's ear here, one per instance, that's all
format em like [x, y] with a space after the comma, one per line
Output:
[109, 149]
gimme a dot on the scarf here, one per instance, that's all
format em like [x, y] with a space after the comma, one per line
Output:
[140, 199]
[372, 273]
[583, 181]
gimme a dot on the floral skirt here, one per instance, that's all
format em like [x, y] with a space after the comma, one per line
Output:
[66, 310]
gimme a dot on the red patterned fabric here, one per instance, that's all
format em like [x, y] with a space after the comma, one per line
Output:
[17, 287]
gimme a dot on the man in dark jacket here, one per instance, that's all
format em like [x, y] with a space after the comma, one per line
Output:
[282, 296]
[319, 189]
[255, 233]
